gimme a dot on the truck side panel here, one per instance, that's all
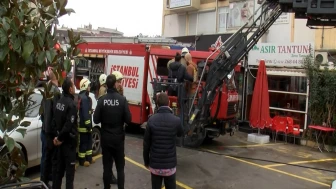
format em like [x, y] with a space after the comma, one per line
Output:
[132, 68]
[152, 73]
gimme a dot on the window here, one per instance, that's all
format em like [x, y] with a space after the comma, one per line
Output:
[223, 15]
[206, 22]
[239, 13]
[192, 24]
[33, 106]
[174, 25]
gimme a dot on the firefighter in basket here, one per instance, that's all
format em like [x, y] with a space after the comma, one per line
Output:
[103, 88]
[85, 124]
[118, 84]
[183, 60]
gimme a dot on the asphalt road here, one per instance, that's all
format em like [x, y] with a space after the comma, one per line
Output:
[227, 162]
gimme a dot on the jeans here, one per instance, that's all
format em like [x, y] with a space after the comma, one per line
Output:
[169, 181]
[43, 141]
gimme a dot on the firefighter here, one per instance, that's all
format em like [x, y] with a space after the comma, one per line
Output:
[66, 139]
[177, 71]
[85, 125]
[112, 112]
[118, 84]
[183, 61]
[102, 89]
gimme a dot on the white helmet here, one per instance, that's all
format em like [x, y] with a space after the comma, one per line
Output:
[84, 84]
[184, 51]
[102, 79]
[118, 75]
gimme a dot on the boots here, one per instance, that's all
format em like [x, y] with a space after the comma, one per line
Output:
[86, 164]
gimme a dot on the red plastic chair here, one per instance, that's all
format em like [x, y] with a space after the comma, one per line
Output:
[280, 126]
[292, 129]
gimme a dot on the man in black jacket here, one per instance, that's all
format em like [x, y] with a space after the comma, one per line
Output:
[48, 132]
[112, 112]
[159, 147]
[66, 140]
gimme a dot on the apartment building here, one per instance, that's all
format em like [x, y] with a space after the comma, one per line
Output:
[202, 21]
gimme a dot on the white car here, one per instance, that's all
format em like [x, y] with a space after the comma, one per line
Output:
[31, 142]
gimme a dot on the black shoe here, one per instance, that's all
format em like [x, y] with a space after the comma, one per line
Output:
[114, 180]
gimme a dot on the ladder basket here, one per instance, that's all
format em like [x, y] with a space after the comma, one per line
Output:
[26, 185]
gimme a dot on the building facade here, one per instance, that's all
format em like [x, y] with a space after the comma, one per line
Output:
[87, 30]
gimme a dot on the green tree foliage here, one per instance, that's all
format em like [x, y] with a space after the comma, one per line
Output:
[322, 92]
[27, 44]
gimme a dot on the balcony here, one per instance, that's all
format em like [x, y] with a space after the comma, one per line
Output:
[180, 6]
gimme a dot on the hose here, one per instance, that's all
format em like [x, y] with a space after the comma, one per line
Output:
[243, 157]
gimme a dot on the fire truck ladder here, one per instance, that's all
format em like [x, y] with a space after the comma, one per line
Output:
[231, 52]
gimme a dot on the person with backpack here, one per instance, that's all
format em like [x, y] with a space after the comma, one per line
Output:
[178, 73]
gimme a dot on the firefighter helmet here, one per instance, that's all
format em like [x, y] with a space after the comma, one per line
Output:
[118, 75]
[184, 51]
[84, 84]
[102, 79]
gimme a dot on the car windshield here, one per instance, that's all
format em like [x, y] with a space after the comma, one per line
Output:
[33, 106]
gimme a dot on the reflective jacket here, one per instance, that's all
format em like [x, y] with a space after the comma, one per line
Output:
[66, 119]
[84, 112]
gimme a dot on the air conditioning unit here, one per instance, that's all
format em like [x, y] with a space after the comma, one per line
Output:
[321, 57]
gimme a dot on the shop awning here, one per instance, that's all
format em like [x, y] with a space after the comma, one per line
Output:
[284, 71]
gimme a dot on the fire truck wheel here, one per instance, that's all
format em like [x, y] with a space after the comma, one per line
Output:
[195, 140]
[208, 138]
[96, 141]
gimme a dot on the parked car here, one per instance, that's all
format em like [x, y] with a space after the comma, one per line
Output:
[31, 142]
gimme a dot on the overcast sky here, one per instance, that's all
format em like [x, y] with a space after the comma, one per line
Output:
[129, 16]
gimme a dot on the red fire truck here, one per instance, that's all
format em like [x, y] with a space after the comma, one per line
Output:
[140, 65]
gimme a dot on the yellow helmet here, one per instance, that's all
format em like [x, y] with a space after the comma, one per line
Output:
[118, 75]
[102, 79]
[84, 84]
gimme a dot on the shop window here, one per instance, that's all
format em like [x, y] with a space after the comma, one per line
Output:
[287, 101]
[287, 83]
[287, 95]
[298, 118]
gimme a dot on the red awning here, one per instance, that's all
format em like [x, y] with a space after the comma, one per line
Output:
[260, 113]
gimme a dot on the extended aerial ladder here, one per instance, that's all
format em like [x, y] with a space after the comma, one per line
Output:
[234, 49]
[199, 120]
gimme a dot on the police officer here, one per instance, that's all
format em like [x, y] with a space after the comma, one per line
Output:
[102, 89]
[119, 78]
[85, 124]
[112, 112]
[65, 122]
